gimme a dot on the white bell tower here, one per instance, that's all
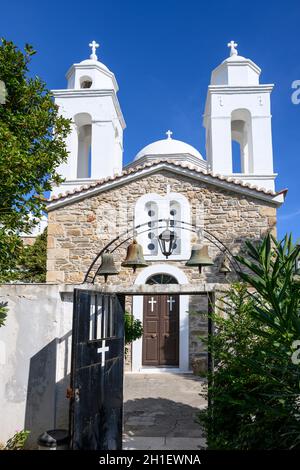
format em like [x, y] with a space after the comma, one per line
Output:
[238, 110]
[95, 144]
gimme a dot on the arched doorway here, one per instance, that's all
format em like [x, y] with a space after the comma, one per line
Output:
[165, 342]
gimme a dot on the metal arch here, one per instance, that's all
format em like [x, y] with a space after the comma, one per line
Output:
[184, 225]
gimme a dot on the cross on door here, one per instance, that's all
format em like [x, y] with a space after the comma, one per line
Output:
[152, 302]
[171, 301]
[102, 351]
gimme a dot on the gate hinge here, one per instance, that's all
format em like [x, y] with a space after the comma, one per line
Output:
[70, 393]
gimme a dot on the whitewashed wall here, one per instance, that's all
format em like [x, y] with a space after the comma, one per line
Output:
[35, 352]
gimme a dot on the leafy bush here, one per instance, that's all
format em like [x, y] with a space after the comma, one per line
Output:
[133, 329]
[3, 312]
[33, 260]
[32, 142]
[254, 391]
[30, 262]
[18, 440]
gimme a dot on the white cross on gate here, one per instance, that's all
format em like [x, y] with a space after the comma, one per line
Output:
[152, 302]
[102, 351]
[171, 301]
[94, 46]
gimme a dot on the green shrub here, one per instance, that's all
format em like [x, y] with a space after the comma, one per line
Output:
[254, 390]
[18, 440]
[133, 329]
[3, 312]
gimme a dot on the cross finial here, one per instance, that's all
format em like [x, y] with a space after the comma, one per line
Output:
[169, 133]
[94, 46]
[232, 46]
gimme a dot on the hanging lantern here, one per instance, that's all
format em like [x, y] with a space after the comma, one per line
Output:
[225, 266]
[167, 242]
[107, 267]
[199, 257]
[135, 257]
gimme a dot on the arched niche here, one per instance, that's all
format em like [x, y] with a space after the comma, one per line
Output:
[241, 133]
[86, 82]
[83, 123]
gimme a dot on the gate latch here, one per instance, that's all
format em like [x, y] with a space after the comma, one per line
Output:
[70, 393]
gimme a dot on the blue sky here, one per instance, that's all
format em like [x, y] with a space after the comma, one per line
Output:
[162, 53]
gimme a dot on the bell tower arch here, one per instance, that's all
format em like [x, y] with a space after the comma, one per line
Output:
[238, 110]
[95, 143]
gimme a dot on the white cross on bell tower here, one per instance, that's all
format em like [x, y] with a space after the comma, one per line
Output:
[95, 143]
[238, 112]
[94, 46]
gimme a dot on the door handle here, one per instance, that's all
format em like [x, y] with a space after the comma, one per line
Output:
[166, 335]
[153, 336]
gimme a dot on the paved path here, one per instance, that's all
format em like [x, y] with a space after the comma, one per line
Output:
[160, 411]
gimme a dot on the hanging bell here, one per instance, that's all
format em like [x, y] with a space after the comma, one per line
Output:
[107, 267]
[135, 257]
[225, 266]
[199, 257]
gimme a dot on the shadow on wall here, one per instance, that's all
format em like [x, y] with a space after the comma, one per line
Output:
[46, 404]
[237, 247]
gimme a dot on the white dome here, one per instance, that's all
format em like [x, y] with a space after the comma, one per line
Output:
[168, 147]
[94, 62]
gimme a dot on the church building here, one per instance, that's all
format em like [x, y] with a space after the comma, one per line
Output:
[207, 209]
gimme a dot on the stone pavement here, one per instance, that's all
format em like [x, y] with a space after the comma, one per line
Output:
[160, 411]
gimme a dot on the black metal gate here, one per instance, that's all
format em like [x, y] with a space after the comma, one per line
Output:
[97, 371]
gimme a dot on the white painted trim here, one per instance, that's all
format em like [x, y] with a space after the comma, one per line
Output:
[137, 310]
[272, 198]
[163, 212]
[91, 93]
[229, 89]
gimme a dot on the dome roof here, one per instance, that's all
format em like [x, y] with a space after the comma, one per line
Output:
[94, 62]
[170, 147]
[236, 70]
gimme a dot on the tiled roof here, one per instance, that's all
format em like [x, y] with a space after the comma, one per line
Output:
[170, 163]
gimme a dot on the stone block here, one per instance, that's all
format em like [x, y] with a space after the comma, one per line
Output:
[199, 365]
[55, 276]
[55, 229]
[267, 211]
[58, 253]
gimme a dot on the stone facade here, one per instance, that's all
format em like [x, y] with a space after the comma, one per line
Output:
[78, 231]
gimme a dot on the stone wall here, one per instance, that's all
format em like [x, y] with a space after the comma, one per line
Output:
[78, 231]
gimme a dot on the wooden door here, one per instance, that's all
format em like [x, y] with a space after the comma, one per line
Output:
[161, 330]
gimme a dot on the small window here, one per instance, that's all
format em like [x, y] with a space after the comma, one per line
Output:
[86, 82]
[161, 279]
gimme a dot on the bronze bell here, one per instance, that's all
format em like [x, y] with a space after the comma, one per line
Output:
[225, 266]
[135, 257]
[107, 267]
[199, 257]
